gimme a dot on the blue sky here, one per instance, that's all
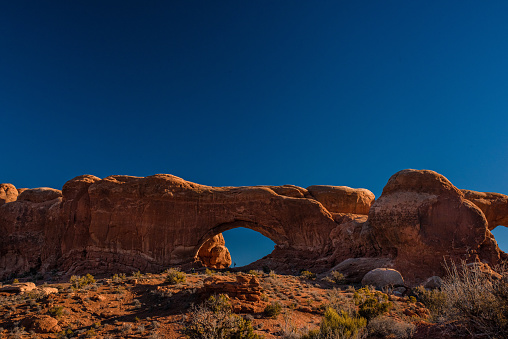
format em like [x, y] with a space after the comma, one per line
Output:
[255, 92]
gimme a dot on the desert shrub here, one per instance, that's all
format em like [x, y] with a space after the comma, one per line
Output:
[434, 300]
[118, 277]
[56, 311]
[273, 309]
[371, 303]
[339, 302]
[337, 277]
[174, 276]
[78, 282]
[254, 272]
[386, 327]
[214, 320]
[338, 325]
[308, 275]
[476, 299]
[209, 272]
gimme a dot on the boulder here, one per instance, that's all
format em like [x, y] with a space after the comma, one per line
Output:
[8, 193]
[241, 287]
[381, 277]
[41, 324]
[354, 269]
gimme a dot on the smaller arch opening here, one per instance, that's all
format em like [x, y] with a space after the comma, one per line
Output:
[247, 246]
[501, 236]
[235, 247]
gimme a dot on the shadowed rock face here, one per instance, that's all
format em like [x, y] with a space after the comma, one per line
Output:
[125, 224]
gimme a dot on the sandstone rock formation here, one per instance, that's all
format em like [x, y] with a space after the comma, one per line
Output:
[245, 287]
[8, 193]
[124, 224]
[421, 219]
[214, 253]
[493, 205]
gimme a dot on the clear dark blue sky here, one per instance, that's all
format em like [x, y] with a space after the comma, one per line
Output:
[255, 92]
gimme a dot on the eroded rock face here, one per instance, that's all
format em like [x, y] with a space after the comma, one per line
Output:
[493, 205]
[125, 224]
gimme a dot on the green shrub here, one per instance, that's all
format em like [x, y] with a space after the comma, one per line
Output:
[78, 282]
[273, 309]
[337, 277]
[214, 320]
[434, 300]
[371, 303]
[209, 272]
[308, 275]
[338, 325]
[174, 276]
[56, 311]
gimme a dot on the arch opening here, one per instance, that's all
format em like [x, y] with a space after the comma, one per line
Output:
[501, 236]
[244, 242]
[247, 246]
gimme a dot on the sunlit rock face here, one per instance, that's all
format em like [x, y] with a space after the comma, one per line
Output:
[125, 224]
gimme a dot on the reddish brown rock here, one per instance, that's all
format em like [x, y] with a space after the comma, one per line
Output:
[422, 219]
[214, 253]
[343, 199]
[41, 324]
[241, 287]
[8, 193]
[126, 224]
[39, 195]
[493, 205]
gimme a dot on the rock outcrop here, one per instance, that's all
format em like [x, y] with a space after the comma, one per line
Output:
[124, 224]
[421, 219]
[214, 253]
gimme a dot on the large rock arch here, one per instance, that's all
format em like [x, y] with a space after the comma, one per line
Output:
[125, 224]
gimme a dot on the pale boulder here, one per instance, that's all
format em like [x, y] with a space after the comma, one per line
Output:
[381, 277]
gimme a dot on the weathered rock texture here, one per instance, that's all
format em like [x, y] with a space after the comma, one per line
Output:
[125, 224]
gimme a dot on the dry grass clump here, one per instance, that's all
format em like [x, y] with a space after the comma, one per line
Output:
[214, 320]
[386, 327]
[477, 300]
[175, 276]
